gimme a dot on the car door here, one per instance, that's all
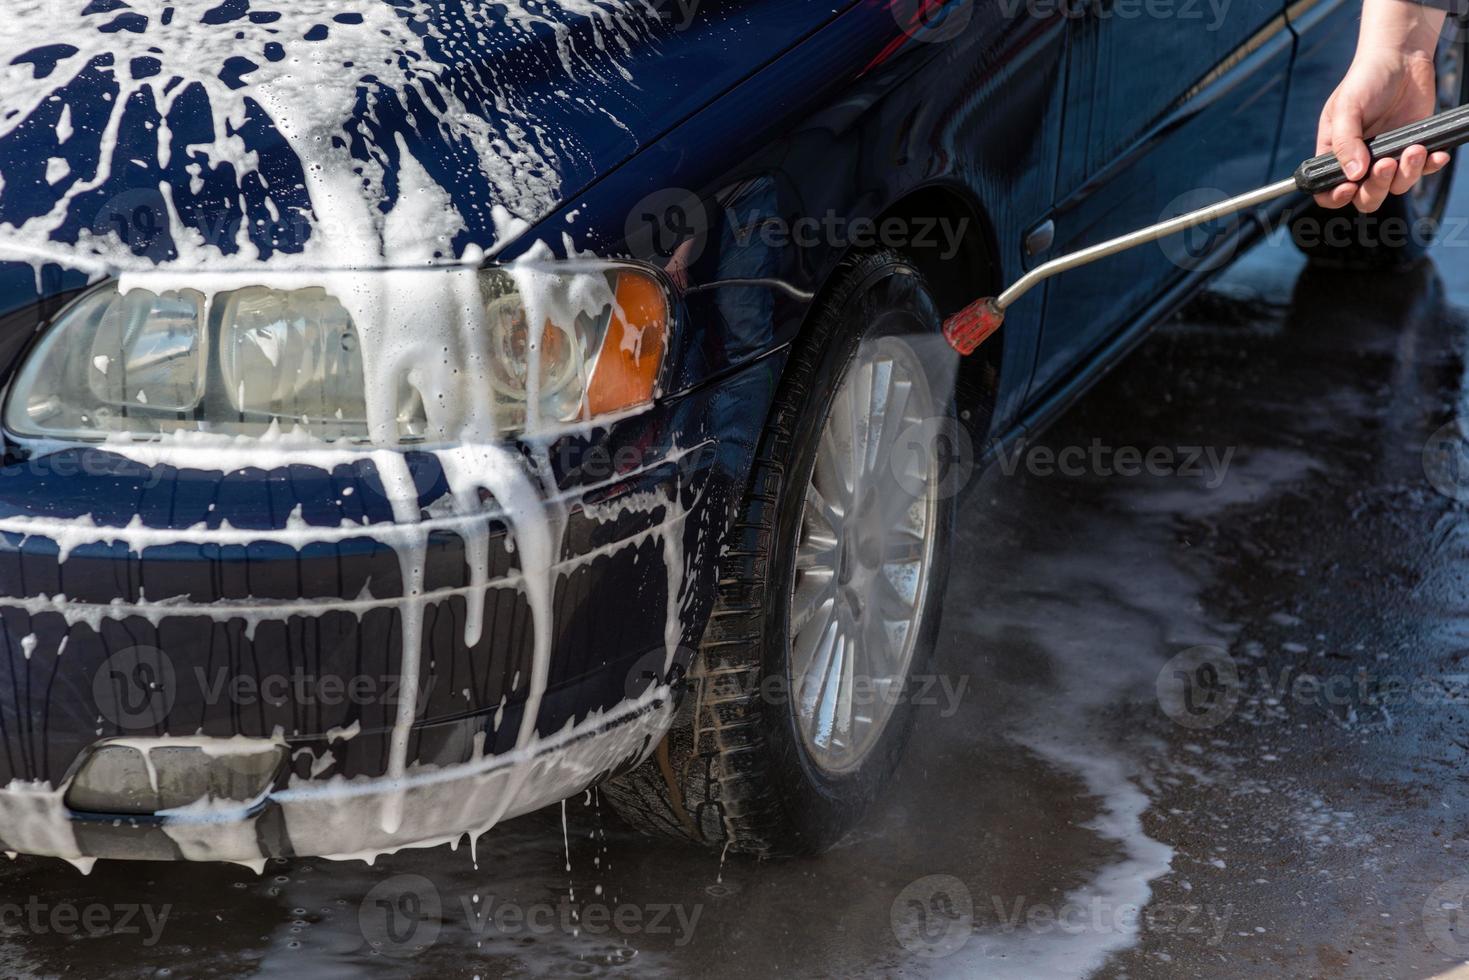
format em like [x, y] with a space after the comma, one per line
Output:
[1167, 102]
[1327, 32]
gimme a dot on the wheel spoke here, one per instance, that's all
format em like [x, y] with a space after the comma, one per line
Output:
[841, 721]
[879, 394]
[904, 546]
[894, 420]
[807, 650]
[816, 691]
[881, 658]
[831, 478]
[897, 498]
[859, 420]
[817, 554]
[892, 605]
[812, 602]
[822, 519]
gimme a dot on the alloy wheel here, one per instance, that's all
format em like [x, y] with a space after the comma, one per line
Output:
[863, 557]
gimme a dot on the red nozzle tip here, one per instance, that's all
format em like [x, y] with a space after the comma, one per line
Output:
[973, 325]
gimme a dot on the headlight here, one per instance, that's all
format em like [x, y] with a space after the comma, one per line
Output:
[145, 363]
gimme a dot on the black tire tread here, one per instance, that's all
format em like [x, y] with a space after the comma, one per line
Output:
[705, 782]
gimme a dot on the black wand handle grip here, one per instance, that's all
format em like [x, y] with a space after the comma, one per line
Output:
[1441, 132]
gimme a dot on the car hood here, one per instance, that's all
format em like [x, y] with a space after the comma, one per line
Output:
[310, 134]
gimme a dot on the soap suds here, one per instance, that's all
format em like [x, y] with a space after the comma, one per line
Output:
[376, 219]
[322, 82]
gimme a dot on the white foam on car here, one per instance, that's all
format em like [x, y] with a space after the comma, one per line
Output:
[309, 93]
[420, 329]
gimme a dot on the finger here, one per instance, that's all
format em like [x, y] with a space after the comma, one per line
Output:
[1436, 162]
[1410, 168]
[1338, 197]
[1347, 142]
[1375, 188]
[1323, 127]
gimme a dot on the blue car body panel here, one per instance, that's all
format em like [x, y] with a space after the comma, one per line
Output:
[749, 115]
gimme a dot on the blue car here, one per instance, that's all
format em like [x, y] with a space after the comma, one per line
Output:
[417, 412]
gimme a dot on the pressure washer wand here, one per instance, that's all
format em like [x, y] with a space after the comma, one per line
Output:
[971, 326]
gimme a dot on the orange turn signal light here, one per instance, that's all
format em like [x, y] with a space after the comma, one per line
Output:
[627, 370]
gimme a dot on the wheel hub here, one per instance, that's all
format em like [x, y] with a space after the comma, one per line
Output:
[862, 557]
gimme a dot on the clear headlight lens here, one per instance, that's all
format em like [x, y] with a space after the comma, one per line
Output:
[144, 363]
[141, 353]
[290, 355]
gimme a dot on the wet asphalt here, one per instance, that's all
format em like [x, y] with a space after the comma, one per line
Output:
[1201, 710]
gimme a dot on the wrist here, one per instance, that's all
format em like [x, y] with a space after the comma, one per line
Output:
[1402, 28]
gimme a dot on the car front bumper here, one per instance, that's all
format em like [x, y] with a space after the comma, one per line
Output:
[181, 609]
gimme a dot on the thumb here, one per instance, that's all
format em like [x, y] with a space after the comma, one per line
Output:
[1347, 143]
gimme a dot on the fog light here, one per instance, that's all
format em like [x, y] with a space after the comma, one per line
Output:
[144, 776]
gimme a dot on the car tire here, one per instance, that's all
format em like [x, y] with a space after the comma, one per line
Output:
[745, 766]
[1400, 232]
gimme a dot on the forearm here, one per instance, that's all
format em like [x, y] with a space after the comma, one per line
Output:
[1412, 27]
[1455, 7]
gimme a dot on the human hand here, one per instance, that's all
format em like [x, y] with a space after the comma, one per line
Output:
[1392, 82]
